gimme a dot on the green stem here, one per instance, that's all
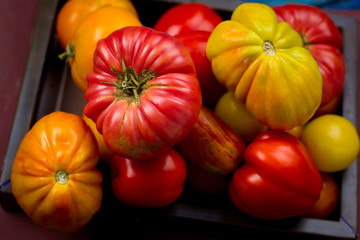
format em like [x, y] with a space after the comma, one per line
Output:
[69, 52]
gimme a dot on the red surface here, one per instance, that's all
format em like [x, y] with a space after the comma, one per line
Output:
[17, 20]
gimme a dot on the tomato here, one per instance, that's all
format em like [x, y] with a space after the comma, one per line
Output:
[235, 114]
[188, 17]
[105, 153]
[54, 177]
[278, 179]
[324, 41]
[264, 63]
[72, 12]
[212, 145]
[329, 198]
[143, 94]
[157, 182]
[95, 26]
[211, 89]
[333, 142]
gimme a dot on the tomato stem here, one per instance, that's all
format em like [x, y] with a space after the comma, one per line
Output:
[61, 177]
[69, 52]
[129, 82]
[269, 48]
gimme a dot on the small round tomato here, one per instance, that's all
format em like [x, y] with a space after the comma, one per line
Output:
[333, 142]
[155, 182]
[211, 89]
[329, 197]
[235, 114]
[72, 12]
[95, 26]
[188, 17]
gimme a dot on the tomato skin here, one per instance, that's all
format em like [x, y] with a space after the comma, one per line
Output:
[212, 145]
[329, 198]
[58, 142]
[254, 55]
[278, 179]
[157, 182]
[168, 104]
[188, 17]
[95, 26]
[211, 89]
[324, 41]
[72, 12]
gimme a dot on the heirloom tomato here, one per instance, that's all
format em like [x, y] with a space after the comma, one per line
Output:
[329, 198]
[211, 89]
[264, 62]
[143, 95]
[324, 41]
[278, 179]
[235, 114]
[72, 12]
[54, 177]
[95, 26]
[188, 17]
[156, 182]
[333, 142]
[212, 145]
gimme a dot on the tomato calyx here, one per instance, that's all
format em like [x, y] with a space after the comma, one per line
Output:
[129, 83]
[61, 177]
[269, 48]
[69, 52]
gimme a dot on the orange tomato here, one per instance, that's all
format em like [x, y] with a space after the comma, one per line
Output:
[105, 153]
[95, 26]
[72, 12]
[54, 176]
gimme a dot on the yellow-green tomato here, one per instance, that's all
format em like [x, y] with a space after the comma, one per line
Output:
[332, 141]
[234, 113]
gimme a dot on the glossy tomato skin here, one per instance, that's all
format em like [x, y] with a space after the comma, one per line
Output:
[212, 145]
[211, 89]
[54, 176]
[323, 39]
[156, 182]
[72, 12]
[95, 26]
[188, 17]
[278, 179]
[168, 104]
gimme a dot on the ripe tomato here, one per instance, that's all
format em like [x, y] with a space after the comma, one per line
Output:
[235, 114]
[143, 93]
[188, 17]
[95, 26]
[72, 12]
[333, 142]
[329, 197]
[156, 182]
[54, 177]
[211, 89]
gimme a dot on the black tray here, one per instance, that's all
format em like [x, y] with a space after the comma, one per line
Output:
[47, 86]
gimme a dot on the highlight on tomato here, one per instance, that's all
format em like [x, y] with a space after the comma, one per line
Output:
[143, 94]
[54, 177]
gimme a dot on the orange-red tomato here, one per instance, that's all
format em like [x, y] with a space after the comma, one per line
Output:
[72, 12]
[54, 177]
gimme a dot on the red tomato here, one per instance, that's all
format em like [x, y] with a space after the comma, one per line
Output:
[211, 89]
[324, 41]
[143, 94]
[278, 179]
[156, 182]
[328, 200]
[188, 17]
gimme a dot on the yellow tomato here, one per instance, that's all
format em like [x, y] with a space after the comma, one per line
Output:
[332, 141]
[105, 153]
[95, 26]
[235, 114]
[72, 12]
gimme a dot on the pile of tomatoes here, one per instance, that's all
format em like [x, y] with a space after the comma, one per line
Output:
[245, 106]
